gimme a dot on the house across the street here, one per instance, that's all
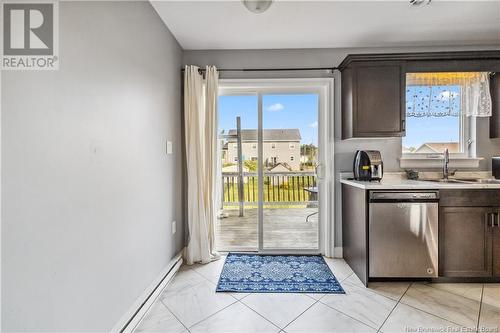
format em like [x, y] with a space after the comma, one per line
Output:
[436, 148]
[279, 146]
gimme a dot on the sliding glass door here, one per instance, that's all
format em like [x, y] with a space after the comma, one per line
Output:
[289, 160]
[271, 139]
[237, 226]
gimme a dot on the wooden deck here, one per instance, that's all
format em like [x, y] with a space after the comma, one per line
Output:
[283, 228]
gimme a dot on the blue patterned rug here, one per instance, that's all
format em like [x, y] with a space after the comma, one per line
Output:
[254, 273]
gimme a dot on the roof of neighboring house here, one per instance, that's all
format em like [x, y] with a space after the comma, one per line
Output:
[287, 134]
[282, 166]
[439, 147]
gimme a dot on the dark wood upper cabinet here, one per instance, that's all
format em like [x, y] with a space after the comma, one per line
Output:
[495, 100]
[373, 88]
[373, 100]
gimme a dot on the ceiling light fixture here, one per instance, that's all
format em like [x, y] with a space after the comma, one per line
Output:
[418, 3]
[257, 6]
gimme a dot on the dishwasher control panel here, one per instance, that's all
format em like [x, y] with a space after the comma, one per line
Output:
[404, 195]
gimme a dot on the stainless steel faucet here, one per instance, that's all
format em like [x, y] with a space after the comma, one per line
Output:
[446, 161]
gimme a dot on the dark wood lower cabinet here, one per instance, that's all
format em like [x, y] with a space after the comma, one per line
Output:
[355, 230]
[466, 242]
[496, 250]
[469, 234]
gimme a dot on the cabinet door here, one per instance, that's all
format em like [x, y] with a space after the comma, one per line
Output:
[465, 242]
[496, 248]
[495, 106]
[378, 108]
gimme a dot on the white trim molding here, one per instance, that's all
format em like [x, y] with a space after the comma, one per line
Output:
[140, 307]
[338, 252]
[324, 87]
[428, 163]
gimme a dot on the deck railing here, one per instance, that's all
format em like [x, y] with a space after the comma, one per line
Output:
[280, 188]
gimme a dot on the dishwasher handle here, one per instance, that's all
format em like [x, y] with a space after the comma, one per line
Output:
[404, 196]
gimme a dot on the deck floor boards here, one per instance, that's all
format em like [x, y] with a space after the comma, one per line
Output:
[283, 228]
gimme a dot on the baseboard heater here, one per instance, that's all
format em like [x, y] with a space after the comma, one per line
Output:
[133, 317]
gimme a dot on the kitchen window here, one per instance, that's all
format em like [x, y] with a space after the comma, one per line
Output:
[441, 111]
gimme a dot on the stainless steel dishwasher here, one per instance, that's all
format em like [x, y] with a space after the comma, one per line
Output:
[403, 234]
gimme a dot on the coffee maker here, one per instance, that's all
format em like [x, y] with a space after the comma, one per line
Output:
[368, 165]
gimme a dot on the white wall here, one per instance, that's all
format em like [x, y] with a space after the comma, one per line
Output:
[344, 149]
[88, 192]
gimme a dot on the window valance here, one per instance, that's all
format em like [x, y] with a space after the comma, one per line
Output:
[448, 94]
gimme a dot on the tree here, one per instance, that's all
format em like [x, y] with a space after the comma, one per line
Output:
[310, 151]
[250, 165]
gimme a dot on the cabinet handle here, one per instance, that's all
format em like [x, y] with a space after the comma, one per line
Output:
[490, 219]
[493, 219]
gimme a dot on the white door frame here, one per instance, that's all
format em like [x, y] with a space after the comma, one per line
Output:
[324, 88]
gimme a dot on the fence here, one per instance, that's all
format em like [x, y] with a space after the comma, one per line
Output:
[279, 188]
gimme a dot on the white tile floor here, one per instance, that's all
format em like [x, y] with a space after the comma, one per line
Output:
[190, 304]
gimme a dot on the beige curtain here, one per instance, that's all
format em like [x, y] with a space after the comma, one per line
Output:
[475, 88]
[200, 124]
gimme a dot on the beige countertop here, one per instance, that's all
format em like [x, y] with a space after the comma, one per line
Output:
[398, 181]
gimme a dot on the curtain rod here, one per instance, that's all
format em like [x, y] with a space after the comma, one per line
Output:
[271, 69]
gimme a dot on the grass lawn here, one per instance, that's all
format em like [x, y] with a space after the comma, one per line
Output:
[276, 189]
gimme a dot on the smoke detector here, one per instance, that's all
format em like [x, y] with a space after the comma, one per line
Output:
[418, 3]
[257, 6]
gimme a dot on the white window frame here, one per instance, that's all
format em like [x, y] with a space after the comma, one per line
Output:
[325, 88]
[466, 158]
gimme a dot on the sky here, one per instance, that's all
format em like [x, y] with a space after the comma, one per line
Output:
[301, 111]
[279, 111]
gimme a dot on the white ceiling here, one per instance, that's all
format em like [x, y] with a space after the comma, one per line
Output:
[330, 24]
